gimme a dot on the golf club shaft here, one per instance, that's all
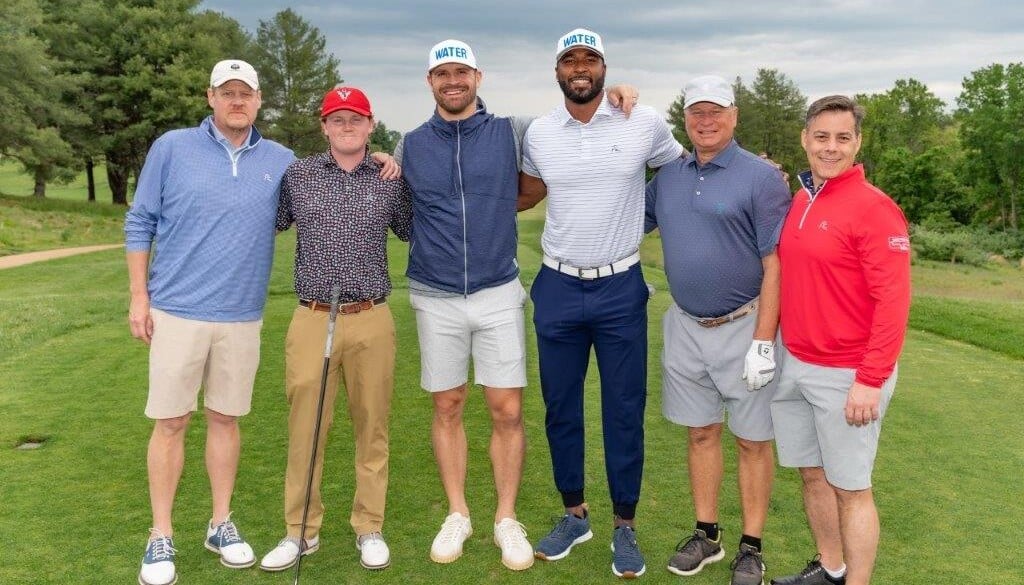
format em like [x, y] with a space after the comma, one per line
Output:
[335, 294]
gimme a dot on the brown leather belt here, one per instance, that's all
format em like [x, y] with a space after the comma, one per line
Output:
[344, 308]
[710, 322]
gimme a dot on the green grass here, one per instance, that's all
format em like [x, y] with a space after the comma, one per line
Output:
[77, 509]
[29, 224]
[14, 181]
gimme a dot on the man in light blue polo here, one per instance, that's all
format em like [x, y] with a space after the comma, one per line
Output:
[589, 160]
[207, 196]
[719, 211]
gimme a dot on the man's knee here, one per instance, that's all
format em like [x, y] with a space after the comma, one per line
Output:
[214, 418]
[448, 405]
[705, 437]
[169, 427]
[754, 449]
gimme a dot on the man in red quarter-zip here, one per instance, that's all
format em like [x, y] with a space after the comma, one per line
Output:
[845, 257]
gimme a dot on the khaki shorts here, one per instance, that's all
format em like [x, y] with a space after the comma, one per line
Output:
[186, 354]
[487, 324]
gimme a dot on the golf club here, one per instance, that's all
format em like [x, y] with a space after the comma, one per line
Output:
[335, 293]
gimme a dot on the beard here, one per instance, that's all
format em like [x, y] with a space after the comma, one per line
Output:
[456, 106]
[582, 96]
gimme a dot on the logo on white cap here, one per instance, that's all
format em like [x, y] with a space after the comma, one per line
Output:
[708, 88]
[229, 69]
[450, 51]
[579, 37]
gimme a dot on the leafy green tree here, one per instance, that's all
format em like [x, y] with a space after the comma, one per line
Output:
[772, 113]
[31, 113]
[907, 116]
[295, 71]
[142, 67]
[991, 116]
[384, 140]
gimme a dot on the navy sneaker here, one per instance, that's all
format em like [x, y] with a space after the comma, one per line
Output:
[567, 533]
[627, 561]
[158, 562]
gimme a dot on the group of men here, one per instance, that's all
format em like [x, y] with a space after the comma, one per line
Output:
[826, 271]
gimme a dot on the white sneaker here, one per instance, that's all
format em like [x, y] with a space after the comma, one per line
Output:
[373, 551]
[225, 540]
[448, 543]
[516, 552]
[286, 553]
[158, 562]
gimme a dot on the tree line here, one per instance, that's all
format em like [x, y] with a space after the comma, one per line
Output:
[96, 81]
[945, 169]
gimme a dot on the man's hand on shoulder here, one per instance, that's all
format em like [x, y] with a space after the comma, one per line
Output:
[624, 97]
[389, 167]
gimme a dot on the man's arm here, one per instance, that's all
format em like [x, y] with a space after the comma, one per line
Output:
[532, 191]
[624, 97]
[768, 305]
[884, 250]
[139, 319]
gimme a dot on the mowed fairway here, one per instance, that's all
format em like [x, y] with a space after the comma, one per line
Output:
[77, 510]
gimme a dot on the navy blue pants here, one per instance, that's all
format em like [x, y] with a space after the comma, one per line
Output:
[609, 314]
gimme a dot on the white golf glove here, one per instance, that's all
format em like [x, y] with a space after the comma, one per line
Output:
[759, 365]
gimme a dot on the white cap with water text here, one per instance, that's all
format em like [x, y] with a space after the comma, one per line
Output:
[579, 37]
[229, 69]
[708, 88]
[450, 51]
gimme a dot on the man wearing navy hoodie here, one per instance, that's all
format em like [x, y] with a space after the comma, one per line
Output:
[462, 166]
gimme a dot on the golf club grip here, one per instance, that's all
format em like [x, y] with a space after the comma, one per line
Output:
[335, 296]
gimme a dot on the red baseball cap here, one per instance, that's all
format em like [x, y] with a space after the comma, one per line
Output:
[345, 98]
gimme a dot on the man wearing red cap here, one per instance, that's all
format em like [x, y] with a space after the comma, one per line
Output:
[342, 209]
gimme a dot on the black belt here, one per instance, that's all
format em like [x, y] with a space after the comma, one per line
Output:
[344, 308]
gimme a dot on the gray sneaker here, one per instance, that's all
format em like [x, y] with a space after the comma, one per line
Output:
[748, 566]
[569, 532]
[627, 561]
[813, 574]
[695, 552]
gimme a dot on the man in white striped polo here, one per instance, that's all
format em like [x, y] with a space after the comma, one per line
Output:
[589, 160]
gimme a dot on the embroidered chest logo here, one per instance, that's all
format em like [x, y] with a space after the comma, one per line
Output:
[899, 243]
[823, 226]
[344, 93]
[267, 178]
[615, 148]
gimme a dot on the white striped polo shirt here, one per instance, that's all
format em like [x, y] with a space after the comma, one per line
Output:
[594, 174]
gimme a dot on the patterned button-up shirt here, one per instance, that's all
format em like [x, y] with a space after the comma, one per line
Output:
[341, 219]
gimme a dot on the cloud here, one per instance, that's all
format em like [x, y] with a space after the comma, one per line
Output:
[833, 46]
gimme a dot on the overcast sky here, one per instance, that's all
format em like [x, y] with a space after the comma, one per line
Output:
[825, 47]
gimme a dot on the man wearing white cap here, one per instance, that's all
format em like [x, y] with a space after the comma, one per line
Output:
[208, 197]
[719, 211]
[589, 160]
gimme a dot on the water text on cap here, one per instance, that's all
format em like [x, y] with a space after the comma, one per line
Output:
[578, 39]
[454, 52]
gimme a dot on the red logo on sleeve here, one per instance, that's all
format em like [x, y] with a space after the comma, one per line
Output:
[899, 243]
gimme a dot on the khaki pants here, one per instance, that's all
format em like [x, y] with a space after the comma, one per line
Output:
[364, 353]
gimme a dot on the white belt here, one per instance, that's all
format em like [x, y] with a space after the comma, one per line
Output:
[595, 272]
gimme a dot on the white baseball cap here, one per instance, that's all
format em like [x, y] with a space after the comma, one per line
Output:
[708, 88]
[229, 69]
[450, 51]
[579, 37]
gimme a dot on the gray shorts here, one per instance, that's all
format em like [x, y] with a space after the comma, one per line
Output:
[702, 371]
[487, 324]
[809, 410]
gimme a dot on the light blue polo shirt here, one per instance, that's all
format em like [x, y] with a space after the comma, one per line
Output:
[717, 222]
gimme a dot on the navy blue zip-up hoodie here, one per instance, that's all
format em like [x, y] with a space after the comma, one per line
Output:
[465, 178]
